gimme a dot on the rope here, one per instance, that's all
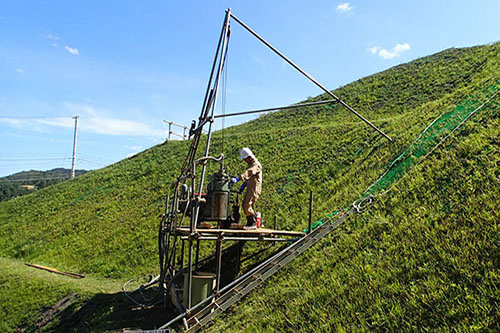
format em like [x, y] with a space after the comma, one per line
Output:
[360, 205]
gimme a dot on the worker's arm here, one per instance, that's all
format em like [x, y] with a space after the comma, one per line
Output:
[251, 171]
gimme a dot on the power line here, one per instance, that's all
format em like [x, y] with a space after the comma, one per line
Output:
[33, 159]
[91, 162]
[31, 179]
[97, 158]
[34, 154]
[32, 117]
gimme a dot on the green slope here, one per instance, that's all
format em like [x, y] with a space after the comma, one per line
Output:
[11, 186]
[405, 263]
[425, 257]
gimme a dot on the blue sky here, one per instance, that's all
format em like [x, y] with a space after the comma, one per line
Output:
[126, 66]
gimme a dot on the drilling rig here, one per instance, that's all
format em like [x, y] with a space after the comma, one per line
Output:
[195, 211]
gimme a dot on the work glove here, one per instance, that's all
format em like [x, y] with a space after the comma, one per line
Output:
[235, 180]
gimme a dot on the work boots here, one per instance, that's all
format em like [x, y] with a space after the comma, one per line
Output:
[251, 222]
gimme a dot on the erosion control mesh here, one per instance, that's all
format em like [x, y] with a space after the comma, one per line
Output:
[433, 135]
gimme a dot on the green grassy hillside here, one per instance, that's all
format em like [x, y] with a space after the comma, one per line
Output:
[12, 186]
[424, 256]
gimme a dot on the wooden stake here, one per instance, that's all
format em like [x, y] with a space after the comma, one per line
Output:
[53, 270]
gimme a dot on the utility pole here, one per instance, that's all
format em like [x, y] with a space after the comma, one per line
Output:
[74, 149]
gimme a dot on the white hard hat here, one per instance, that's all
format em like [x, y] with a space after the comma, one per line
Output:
[245, 152]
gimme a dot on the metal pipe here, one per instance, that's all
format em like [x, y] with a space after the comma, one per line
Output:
[218, 263]
[216, 159]
[209, 135]
[180, 261]
[207, 93]
[175, 124]
[266, 239]
[194, 217]
[274, 109]
[177, 135]
[200, 125]
[197, 254]
[313, 80]
[190, 273]
[310, 211]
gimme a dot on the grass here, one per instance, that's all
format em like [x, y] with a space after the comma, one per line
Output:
[404, 264]
[26, 290]
[401, 266]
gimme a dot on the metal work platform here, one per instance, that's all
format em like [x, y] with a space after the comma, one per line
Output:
[241, 233]
[202, 313]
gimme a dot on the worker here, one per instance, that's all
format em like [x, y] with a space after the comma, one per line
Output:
[253, 181]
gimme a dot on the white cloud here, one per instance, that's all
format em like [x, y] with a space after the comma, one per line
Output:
[71, 50]
[20, 71]
[389, 54]
[11, 121]
[401, 47]
[132, 154]
[26, 124]
[373, 49]
[114, 126]
[136, 150]
[257, 58]
[92, 121]
[48, 35]
[65, 122]
[345, 7]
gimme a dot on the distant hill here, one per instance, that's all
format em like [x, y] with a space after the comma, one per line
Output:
[424, 257]
[25, 182]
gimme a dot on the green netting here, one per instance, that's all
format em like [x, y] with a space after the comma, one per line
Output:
[432, 136]
[321, 221]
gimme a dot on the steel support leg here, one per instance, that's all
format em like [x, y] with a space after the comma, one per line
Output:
[218, 258]
[197, 254]
[310, 211]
